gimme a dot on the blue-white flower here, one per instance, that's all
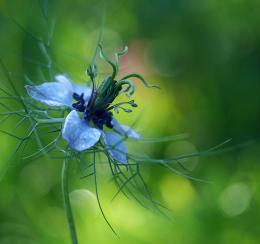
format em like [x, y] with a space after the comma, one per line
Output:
[84, 125]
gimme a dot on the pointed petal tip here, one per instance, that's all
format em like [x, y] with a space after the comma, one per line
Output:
[51, 93]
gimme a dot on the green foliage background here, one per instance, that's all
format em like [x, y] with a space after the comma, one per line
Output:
[206, 56]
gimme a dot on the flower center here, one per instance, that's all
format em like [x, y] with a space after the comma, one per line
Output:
[98, 110]
[98, 116]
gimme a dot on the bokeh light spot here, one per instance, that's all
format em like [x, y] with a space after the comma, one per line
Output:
[177, 192]
[84, 201]
[183, 148]
[235, 199]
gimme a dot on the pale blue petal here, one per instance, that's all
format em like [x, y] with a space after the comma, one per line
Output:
[53, 93]
[125, 130]
[64, 80]
[115, 146]
[75, 88]
[78, 134]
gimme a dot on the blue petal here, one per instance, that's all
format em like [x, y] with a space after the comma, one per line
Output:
[116, 147]
[64, 80]
[75, 88]
[125, 130]
[53, 93]
[78, 134]
[57, 93]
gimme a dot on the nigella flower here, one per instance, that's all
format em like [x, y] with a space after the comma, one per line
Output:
[90, 121]
[90, 118]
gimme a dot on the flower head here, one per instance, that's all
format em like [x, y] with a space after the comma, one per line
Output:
[89, 114]
[91, 118]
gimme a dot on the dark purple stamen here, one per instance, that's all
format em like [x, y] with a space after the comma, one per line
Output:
[99, 117]
[80, 104]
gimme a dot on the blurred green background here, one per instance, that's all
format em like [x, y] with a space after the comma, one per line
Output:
[206, 57]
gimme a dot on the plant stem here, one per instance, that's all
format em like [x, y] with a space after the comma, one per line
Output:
[66, 199]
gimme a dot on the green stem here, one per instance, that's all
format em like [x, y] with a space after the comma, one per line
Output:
[66, 199]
